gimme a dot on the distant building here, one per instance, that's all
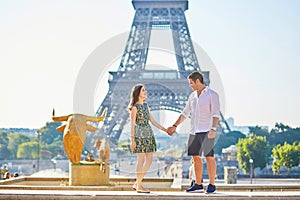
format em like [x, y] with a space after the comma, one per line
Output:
[229, 153]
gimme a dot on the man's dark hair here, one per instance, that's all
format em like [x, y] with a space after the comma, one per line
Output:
[196, 75]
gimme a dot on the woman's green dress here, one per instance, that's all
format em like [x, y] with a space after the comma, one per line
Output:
[144, 136]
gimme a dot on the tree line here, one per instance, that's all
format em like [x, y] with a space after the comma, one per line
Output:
[281, 145]
[23, 146]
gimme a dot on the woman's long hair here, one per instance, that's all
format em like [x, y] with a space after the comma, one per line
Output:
[135, 93]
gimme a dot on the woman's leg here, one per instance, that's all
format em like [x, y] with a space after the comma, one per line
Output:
[139, 169]
[147, 163]
[144, 163]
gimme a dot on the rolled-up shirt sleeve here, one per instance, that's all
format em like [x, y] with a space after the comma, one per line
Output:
[215, 105]
[187, 109]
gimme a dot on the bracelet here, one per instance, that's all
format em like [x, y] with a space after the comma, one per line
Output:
[175, 125]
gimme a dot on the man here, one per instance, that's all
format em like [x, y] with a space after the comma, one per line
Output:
[203, 108]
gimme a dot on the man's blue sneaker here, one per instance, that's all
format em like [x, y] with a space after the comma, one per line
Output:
[196, 188]
[211, 189]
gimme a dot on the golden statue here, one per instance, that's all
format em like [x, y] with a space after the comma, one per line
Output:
[104, 153]
[103, 150]
[75, 132]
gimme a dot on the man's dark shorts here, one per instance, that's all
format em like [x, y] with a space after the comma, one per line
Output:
[200, 143]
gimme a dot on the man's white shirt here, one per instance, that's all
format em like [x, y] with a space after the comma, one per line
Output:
[202, 109]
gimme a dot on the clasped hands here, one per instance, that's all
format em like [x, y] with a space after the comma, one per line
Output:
[171, 130]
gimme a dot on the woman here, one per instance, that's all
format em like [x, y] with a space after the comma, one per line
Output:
[142, 137]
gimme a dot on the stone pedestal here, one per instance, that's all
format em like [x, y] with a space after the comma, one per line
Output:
[230, 175]
[89, 174]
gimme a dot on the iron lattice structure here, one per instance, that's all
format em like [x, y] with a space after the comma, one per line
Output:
[167, 89]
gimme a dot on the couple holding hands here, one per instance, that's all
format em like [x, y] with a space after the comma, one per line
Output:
[202, 108]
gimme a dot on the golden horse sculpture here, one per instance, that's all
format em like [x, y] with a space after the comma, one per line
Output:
[75, 132]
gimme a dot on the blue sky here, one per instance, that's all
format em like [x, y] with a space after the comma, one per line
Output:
[254, 45]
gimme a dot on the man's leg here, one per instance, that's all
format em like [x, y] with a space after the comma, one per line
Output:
[194, 149]
[211, 169]
[198, 169]
[208, 150]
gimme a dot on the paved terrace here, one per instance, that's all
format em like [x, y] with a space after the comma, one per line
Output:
[120, 188]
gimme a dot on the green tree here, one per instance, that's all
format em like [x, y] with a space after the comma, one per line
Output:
[4, 152]
[4, 138]
[49, 134]
[28, 150]
[15, 139]
[50, 138]
[259, 131]
[253, 147]
[225, 140]
[281, 134]
[286, 155]
[55, 148]
[280, 127]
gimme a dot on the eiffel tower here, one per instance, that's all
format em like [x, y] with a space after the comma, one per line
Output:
[167, 89]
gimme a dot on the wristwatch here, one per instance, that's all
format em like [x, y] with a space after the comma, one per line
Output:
[214, 128]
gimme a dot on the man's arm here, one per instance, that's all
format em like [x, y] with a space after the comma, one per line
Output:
[172, 129]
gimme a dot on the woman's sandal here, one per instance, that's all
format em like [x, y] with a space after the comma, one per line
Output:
[142, 190]
[134, 186]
